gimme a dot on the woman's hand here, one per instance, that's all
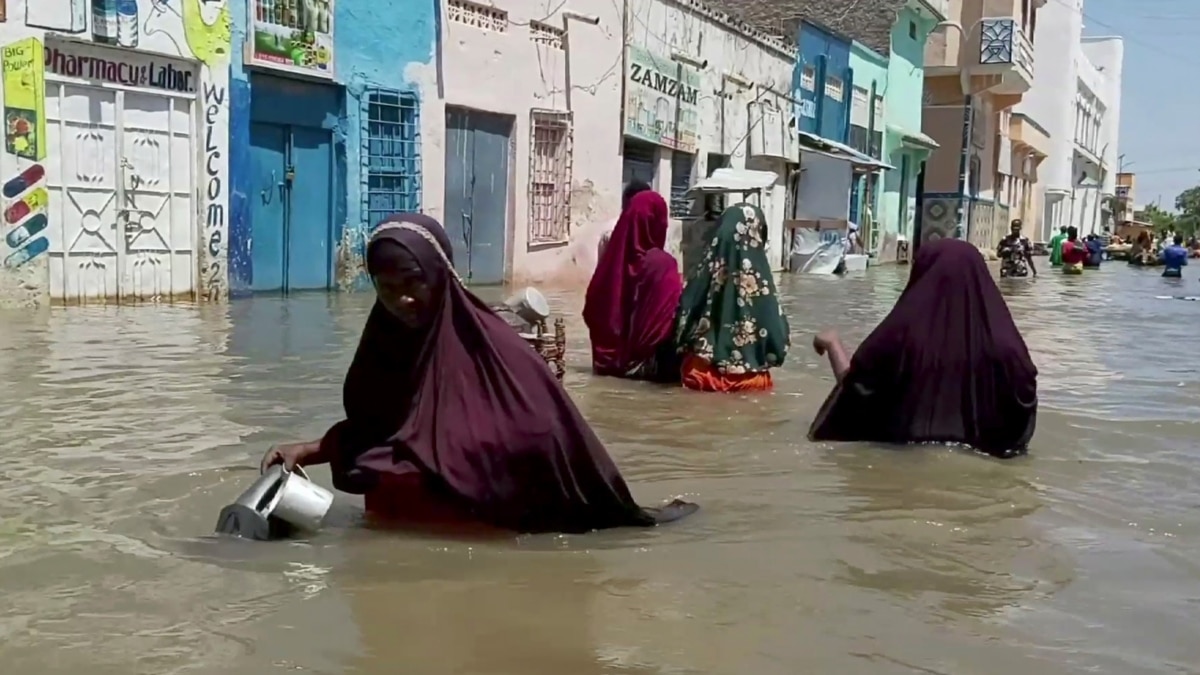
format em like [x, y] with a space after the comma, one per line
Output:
[824, 340]
[290, 455]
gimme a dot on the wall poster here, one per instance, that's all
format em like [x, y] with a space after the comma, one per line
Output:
[292, 35]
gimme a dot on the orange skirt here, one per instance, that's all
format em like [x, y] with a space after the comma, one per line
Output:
[699, 375]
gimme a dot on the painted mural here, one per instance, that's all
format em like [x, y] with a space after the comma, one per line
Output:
[133, 41]
[25, 201]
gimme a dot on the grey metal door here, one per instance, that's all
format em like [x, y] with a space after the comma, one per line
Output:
[477, 155]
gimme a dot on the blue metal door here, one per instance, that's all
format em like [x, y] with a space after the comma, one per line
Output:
[477, 154]
[291, 208]
[310, 216]
[268, 163]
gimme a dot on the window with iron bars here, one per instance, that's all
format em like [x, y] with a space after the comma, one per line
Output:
[551, 146]
[681, 180]
[391, 154]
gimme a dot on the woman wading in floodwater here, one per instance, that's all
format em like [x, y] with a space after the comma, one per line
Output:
[452, 419]
[947, 364]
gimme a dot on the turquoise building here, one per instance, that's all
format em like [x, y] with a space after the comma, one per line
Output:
[904, 146]
[869, 98]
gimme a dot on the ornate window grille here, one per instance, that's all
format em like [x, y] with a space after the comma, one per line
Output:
[477, 15]
[546, 35]
[551, 149]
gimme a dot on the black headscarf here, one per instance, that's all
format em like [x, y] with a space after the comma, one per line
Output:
[635, 186]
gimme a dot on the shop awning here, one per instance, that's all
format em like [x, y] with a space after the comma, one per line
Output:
[814, 143]
[914, 139]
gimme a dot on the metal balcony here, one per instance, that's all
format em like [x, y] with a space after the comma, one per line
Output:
[1005, 49]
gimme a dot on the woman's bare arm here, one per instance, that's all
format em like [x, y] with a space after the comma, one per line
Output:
[839, 361]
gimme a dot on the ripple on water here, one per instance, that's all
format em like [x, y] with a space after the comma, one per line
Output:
[124, 430]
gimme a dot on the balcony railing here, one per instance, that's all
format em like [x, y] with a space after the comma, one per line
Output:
[1003, 42]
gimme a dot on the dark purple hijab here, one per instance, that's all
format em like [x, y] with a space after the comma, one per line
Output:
[472, 407]
[947, 365]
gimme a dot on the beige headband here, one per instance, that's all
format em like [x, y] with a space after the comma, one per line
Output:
[411, 227]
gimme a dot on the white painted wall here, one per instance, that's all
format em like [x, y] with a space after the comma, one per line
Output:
[1107, 56]
[1051, 100]
[505, 72]
[1068, 66]
[193, 31]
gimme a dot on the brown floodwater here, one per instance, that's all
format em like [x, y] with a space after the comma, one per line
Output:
[123, 432]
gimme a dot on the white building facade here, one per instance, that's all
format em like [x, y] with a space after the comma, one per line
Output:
[538, 122]
[705, 91]
[1078, 103]
[115, 166]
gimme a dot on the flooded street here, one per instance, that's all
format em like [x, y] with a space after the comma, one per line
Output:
[125, 430]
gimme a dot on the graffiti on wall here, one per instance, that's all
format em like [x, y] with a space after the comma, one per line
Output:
[208, 38]
[25, 200]
[214, 189]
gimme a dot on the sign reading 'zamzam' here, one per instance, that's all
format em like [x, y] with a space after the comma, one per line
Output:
[661, 101]
[127, 68]
[663, 83]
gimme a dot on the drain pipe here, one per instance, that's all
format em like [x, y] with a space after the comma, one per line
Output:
[567, 17]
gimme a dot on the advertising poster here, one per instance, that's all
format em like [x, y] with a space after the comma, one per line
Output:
[293, 35]
[24, 99]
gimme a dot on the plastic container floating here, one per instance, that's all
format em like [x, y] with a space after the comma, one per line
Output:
[856, 262]
[530, 305]
[276, 503]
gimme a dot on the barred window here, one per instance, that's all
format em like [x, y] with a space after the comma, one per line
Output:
[681, 180]
[391, 154]
[550, 160]
[808, 78]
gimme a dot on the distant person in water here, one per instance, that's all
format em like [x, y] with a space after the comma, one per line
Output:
[1016, 253]
[1056, 244]
[451, 419]
[1074, 253]
[634, 295]
[1174, 258]
[947, 364]
[731, 329]
[1095, 251]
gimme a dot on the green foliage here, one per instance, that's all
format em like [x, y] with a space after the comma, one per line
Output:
[1161, 219]
[1188, 206]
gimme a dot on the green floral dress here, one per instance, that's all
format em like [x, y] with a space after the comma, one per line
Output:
[729, 314]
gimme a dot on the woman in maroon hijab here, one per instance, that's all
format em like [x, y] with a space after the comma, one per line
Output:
[451, 417]
[633, 296]
[947, 365]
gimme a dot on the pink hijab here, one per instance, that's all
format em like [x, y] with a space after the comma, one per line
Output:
[634, 293]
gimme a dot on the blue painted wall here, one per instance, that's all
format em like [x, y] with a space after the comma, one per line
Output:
[374, 43]
[828, 54]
